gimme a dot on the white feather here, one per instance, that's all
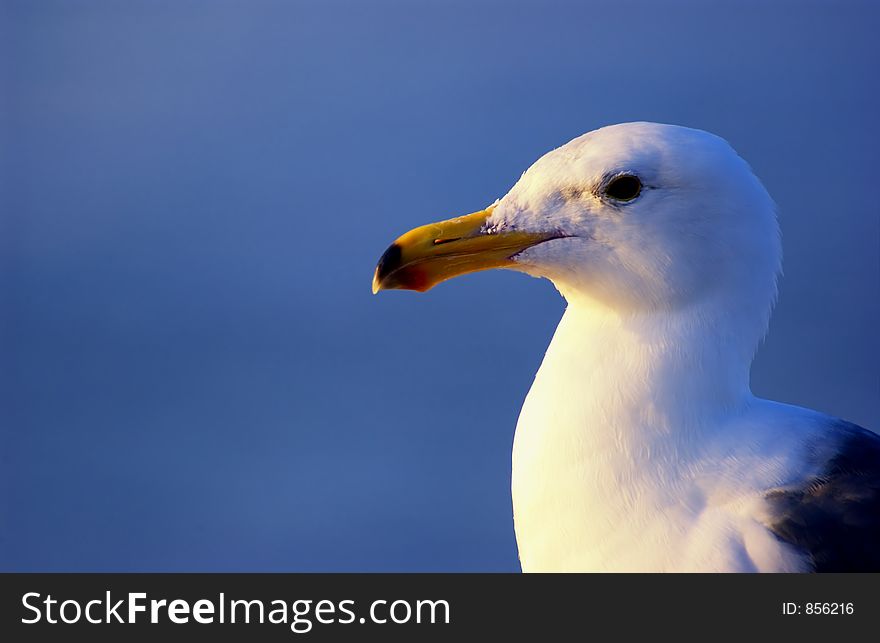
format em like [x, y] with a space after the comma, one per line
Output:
[640, 446]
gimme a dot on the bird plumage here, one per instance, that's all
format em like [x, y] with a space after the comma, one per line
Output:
[640, 446]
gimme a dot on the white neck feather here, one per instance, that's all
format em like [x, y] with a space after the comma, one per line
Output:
[611, 418]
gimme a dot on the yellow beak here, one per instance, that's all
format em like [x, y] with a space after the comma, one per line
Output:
[422, 258]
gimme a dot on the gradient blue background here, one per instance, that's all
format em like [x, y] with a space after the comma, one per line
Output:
[195, 375]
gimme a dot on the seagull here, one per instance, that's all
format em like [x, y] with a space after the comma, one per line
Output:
[640, 446]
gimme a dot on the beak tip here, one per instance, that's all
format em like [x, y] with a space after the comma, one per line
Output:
[388, 263]
[377, 284]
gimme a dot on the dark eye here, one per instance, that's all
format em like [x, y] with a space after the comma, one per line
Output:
[625, 187]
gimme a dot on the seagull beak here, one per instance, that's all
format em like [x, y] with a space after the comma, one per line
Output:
[422, 258]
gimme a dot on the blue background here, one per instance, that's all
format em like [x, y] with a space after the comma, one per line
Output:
[195, 375]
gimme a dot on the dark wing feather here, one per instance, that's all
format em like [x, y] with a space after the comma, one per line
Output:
[835, 517]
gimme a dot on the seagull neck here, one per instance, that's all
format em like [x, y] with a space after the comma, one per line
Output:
[671, 370]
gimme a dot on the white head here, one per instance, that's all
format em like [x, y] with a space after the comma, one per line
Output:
[638, 218]
[655, 217]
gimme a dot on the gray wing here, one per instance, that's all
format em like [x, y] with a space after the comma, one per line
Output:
[834, 518]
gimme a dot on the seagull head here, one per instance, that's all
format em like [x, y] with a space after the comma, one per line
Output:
[637, 217]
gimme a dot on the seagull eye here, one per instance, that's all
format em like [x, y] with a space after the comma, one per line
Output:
[624, 188]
